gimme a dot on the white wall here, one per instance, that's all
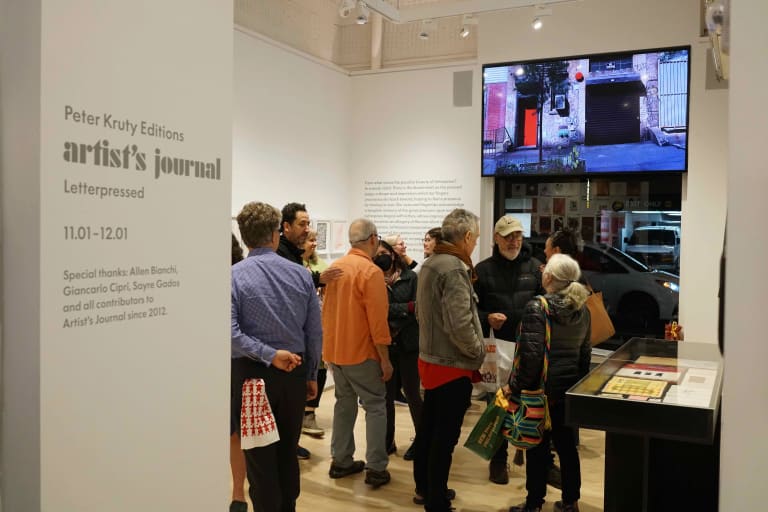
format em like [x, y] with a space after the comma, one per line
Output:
[613, 25]
[744, 452]
[291, 130]
[405, 127]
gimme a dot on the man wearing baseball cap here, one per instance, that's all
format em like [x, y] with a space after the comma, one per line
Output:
[507, 280]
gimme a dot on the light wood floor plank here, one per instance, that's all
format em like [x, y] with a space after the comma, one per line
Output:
[469, 473]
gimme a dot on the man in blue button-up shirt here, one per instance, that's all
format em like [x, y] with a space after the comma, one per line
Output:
[276, 336]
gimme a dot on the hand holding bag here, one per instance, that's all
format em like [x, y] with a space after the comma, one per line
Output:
[527, 415]
[601, 327]
[486, 436]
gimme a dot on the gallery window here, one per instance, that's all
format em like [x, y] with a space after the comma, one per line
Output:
[631, 228]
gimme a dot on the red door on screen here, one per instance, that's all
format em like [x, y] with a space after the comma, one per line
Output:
[530, 128]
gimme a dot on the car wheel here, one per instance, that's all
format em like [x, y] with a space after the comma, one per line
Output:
[640, 315]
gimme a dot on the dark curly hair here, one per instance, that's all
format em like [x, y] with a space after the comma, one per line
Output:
[568, 241]
[289, 213]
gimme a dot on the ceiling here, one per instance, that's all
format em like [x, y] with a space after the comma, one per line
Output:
[316, 28]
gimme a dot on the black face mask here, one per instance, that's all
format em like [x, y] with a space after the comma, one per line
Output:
[383, 261]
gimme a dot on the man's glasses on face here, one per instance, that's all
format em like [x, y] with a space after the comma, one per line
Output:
[378, 237]
[517, 236]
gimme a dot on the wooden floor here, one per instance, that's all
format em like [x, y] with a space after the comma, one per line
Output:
[469, 473]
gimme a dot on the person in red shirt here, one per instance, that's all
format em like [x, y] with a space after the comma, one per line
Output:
[451, 351]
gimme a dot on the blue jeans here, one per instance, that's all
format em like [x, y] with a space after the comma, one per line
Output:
[350, 382]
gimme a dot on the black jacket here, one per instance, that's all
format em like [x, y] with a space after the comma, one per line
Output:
[291, 252]
[505, 286]
[402, 320]
[569, 353]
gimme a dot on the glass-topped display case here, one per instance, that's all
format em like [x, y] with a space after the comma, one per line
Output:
[659, 388]
[658, 402]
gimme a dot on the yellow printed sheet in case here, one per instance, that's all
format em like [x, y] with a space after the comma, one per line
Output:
[636, 387]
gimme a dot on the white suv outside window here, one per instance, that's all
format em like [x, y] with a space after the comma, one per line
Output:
[656, 246]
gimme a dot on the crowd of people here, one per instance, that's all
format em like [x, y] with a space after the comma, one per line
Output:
[382, 324]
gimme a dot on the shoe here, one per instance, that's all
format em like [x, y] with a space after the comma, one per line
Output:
[554, 477]
[498, 473]
[302, 453]
[238, 506]
[523, 507]
[340, 472]
[391, 449]
[410, 453]
[450, 495]
[571, 507]
[377, 478]
[310, 427]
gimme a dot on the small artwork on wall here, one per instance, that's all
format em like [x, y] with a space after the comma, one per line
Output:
[558, 205]
[532, 189]
[545, 225]
[323, 231]
[544, 205]
[339, 242]
[517, 189]
[573, 205]
[601, 188]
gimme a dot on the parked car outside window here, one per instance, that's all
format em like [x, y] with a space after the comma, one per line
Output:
[638, 299]
[656, 246]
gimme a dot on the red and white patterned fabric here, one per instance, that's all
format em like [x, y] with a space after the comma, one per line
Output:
[257, 423]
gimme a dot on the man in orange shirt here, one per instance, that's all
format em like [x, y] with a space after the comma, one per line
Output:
[355, 344]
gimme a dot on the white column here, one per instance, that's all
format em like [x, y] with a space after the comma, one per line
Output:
[116, 147]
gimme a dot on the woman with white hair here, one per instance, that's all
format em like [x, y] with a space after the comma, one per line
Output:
[569, 356]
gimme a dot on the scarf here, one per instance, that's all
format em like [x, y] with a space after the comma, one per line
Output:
[392, 279]
[449, 248]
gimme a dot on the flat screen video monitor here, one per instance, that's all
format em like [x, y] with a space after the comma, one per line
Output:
[610, 113]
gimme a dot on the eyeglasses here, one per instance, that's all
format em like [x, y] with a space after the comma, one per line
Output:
[515, 236]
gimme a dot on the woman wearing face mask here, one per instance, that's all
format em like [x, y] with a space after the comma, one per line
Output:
[404, 350]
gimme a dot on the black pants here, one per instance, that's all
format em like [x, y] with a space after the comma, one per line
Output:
[273, 471]
[436, 436]
[538, 460]
[407, 365]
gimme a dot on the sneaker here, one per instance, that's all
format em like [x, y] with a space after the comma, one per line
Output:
[498, 473]
[302, 453]
[523, 507]
[340, 472]
[410, 453]
[310, 427]
[377, 478]
[450, 495]
[554, 477]
[238, 506]
[571, 507]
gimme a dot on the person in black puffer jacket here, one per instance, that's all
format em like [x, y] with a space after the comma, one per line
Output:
[569, 356]
[506, 282]
[404, 350]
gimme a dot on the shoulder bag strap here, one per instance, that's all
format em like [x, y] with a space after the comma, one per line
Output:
[548, 335]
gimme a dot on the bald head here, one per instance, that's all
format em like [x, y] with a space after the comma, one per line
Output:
[363, 236]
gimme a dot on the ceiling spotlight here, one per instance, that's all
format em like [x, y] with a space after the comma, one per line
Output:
[363, 12]
[539, 12]
[346, 7]
[464, 32]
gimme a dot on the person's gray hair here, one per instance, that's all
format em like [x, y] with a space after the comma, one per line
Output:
[565, 273]
[458, 223]
[257, 222]
[360, 230]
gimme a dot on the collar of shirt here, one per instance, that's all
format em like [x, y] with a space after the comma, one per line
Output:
[258, 251]
[359, 252]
